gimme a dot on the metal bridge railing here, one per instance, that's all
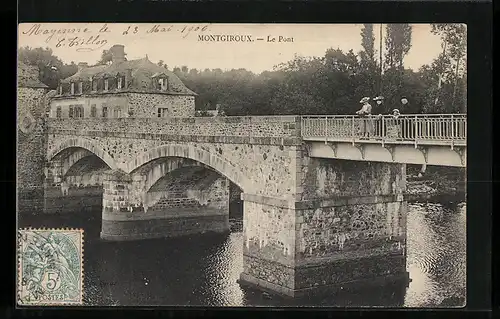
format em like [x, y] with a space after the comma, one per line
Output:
[437, 128]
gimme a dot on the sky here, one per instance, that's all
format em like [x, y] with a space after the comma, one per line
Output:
[180, 44]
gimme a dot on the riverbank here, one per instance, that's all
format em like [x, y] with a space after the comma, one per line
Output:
[436, 183]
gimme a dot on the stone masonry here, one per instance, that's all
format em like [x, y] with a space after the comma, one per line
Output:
[31, 138]
[309, 223]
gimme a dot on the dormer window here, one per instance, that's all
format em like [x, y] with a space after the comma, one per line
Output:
[72, 88]
[106, 84]
[120, 81]
[94, 84]
[80, 87]
[160, 82]
[60, 89]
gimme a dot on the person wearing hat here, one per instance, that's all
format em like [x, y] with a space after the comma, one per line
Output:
[397, 124]
[395, 113]
[366, 111]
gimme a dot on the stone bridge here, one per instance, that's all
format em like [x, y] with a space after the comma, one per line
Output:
[310, 222]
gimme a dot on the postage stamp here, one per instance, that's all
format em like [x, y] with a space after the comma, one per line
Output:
[50, 269]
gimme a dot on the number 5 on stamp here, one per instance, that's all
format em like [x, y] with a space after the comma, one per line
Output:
[50, 267]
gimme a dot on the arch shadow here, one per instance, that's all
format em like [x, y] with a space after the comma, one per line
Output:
[215, 162]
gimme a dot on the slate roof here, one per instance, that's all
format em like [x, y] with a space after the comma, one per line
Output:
[27, 76]
[142, 71]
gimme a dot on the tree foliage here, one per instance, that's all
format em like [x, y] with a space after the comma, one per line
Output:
[368, 43]
[398, 44]
[51, 68]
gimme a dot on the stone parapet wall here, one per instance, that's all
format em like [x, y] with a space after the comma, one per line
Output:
[285, 126]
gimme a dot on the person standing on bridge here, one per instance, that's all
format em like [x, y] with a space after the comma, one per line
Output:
[366, 121]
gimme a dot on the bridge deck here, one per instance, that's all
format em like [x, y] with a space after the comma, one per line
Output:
[420, 129]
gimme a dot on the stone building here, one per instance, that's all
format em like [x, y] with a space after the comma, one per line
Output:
[31, 140]
[136, 88]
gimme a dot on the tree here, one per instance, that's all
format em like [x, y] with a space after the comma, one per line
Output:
[51, 68]
[454, 38]
[367, 56]
[106, 57]
[368, 43]
[398, 44]
[160, 63]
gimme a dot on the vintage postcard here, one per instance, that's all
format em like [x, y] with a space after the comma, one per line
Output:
[50, 267]
[242, 164]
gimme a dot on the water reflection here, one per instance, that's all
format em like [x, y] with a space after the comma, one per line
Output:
[436, 253]
[204, 269]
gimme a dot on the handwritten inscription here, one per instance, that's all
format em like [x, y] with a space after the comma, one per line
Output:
[184, 30]
[92, 38]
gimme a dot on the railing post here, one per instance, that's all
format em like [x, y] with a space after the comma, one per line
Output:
[452, 130]
[382, 132]
[415, 130]
[352, 129]
[326, 129]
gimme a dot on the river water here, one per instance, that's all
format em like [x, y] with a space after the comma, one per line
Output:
[203, 270]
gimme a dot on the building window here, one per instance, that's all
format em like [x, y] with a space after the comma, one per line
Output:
[93, 111]
[162, 112]
[80, 87]
[104, 111]
[120, 79]
[106, 84]
[72, 88]
[162, 83]
[117, 112]
[71, 111]
[58, 112]
[78, 111]
[94, 84]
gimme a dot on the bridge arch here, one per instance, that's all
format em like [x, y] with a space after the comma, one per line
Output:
[158, 171]
[214, 161]
[90, 145]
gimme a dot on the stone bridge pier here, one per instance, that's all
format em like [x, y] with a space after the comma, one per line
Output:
[345, 225]
[166, 198]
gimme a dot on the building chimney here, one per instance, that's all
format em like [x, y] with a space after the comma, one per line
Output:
[82, 65]
[117, 53]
